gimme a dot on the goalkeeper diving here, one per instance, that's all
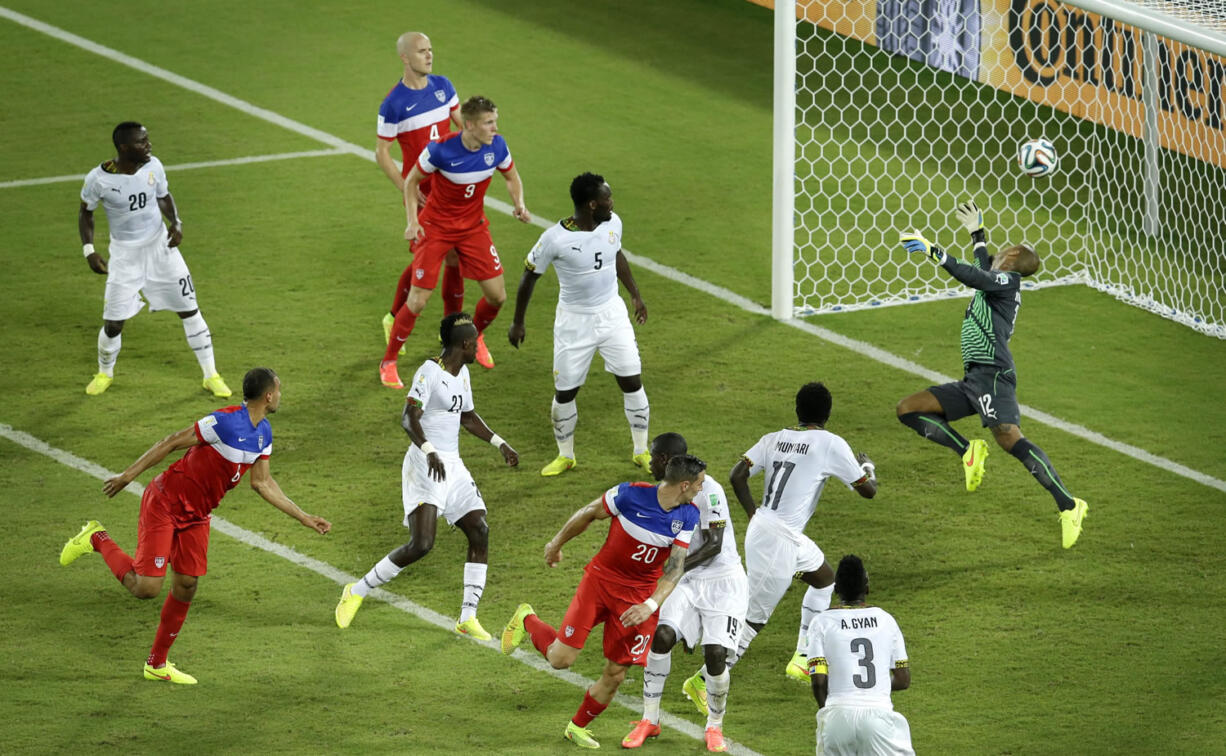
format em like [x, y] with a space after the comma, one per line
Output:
[989, 384]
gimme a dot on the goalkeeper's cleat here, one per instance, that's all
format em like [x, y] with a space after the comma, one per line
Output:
[580, 736]
[168, 673]
[513, 634]
[483, 353]
[1070, 522]
[695, 689]
[643, 729]
[797, 668]
[99, 383]
[972, 463]
[643, 460]
[388, 374]
[347, 607]
[79, 545]
[558, 466]
[388, 321]
[217, 385]
[715, 740]
[472, 628]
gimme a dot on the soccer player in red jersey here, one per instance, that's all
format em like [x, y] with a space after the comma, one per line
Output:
[638, 566]
[454, 218]
[176, 507]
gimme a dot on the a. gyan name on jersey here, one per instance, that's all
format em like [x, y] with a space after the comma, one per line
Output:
[857, 623]
[791, 447]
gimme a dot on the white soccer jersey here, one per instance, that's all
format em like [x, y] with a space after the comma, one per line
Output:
[443, 397]
[712, 505]
[797, 462]
[586, 262]
[130, 201]
[859, 646]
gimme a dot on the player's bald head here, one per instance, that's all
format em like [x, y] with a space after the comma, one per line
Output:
[405, 44]
[1026, 260]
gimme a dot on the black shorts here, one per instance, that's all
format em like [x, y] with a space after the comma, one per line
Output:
[985, 391]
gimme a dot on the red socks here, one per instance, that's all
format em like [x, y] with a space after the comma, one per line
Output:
[453, 290]
[401, 329]
[174, 612]
[542, 634]
[484, 315]
[119, 563]
[588, 710]
[402, 289]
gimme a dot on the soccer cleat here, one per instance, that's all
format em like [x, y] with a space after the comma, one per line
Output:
[1070, 523]
[79, 545]
[580, 736]
[168, 673]
[347, 607]
[797, 668]
[388, 374]
[483, 353]
[972, 463]
[715, 740]
[558, 466]
[643, 729]
[472, 628]
[218, 386]
[100, 382]
[643, 460]
[513, 634]
[695, 689]
[388, 321]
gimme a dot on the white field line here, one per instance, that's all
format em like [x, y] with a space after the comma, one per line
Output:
[859, 347]
[182, 167]
[342, 578]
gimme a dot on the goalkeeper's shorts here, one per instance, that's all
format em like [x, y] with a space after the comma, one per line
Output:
[986, 391]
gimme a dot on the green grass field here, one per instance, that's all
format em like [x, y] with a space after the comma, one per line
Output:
[1016, 645]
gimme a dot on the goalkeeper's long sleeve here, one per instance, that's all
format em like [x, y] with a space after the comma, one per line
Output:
[978, 278]
[980, 239]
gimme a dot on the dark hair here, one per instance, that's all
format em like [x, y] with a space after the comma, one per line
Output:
[851, 579]
[585, 188]
[119, 135]
[813, 404]
[452, 332]
[683, 467]
[258, 382]
[475, 106]
[669, 444]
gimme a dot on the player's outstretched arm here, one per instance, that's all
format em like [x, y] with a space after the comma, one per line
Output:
[866, 486]
[410, 420]
[739, 478]
[971, 218]
[674, 568]
[515, 188]
[577, 523]
[263, 483]
[174, 234]
[156, 453]
[85, 227]
[627, 278]
[527, 284]
[473, 423]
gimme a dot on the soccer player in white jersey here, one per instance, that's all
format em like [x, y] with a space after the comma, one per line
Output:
[798, 461]
[856, 657]
[434, 481]
[708, 604]
[145, 256]
[585, 250]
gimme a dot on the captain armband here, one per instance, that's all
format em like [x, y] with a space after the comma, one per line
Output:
[717, 525]
[817, 666]
[901, 664]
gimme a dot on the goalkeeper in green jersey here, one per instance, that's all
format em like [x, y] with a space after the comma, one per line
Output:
[989, 384]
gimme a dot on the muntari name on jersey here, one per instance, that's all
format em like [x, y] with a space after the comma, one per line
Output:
[791, 447]
[858, 623]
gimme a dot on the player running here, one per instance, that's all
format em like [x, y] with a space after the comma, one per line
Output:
[434, 481]
[635, 570]
[176, 507]
[989, 384]
[145, 257]
[585, 250]
[708, 604]
[454, 218]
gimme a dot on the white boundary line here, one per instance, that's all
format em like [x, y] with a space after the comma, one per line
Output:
[341, 578]
[183, 167]
[860, 347]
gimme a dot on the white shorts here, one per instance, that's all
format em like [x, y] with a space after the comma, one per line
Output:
[711, 609]
[150, 268]
[773, 556]
[577, 336]
[454, 496]
[853, 730]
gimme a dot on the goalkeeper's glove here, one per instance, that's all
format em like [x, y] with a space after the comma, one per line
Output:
[915, 242]
[970, 216]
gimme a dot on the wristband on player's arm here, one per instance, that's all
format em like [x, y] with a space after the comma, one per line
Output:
[87, 249]
[496, 441]
[651, 604]
[870, 471]
[427, 448]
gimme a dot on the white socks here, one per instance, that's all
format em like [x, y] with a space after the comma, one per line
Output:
[474, 586]
[201, 342]
[638, 412]
[381, 573]
[565, 417]
[717, 697]
[816, 601]
[108, 352]
[654, 676]
[743, 639]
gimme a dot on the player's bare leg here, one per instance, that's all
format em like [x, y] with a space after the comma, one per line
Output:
[424, 526]
[638, 414]
[476, 530]
[110, 340]
[494, 295]
[565, 416]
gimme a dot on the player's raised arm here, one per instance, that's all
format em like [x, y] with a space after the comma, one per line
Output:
[515, 187]
[627, 278]
[156, 453]
[473, 423]
[410, 420]
[674, 568]
[578, 522]
[527, 284]
[739, 478]
[970, 275]
[264, 484]
[971, 218]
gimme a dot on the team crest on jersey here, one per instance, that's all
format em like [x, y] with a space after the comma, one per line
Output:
[441, 95]
[151, 178]
[569, 631]
[489, 158]
[260, 440]
[612, 238]
[1002, 278]
[677, 524]
[420, 273]
[159, 562]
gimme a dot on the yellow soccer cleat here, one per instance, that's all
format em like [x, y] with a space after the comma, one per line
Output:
[695, 689]
[215, 384]
[643, 460]
[347, 607]
[1070, 522]
[513, 634]
[472, 628]
[168, 673]
[797, 668]
[558, 466]
[388, 321]
[972, 463]
[643, 729]
[79, 545]
[484, 359]
[715, 740]
[580, 736]
[100, 382]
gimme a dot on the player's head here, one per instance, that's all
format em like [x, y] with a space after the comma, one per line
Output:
[132, 142]
[663, 448]
[685, 473]
[457, 332]
[480, 117]
[415, 50]
[813, 404]
[590, 193]
[1018, 258]
[851, 579]
[261, 385]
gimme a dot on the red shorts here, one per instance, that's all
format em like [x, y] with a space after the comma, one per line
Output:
[168, 534]
[597, 600]
[478, 257]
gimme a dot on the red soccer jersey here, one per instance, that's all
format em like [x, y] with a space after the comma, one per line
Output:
[641, 536]
[457, 199]
[415, 117]
[229, 446]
